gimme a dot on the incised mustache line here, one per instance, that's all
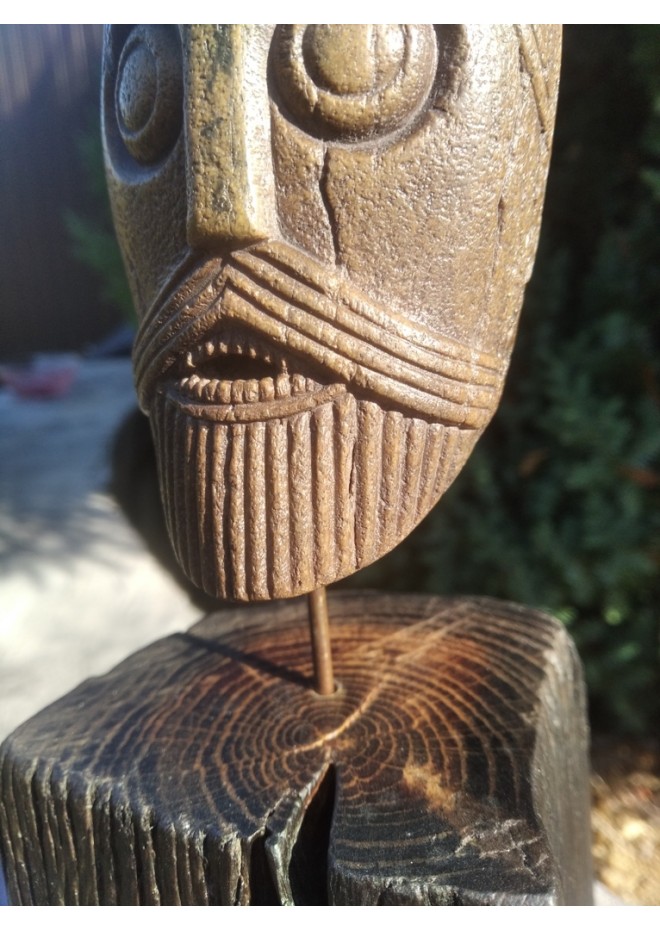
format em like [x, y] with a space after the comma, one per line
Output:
[309, 312]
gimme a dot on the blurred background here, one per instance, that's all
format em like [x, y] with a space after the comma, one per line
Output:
[557, 508]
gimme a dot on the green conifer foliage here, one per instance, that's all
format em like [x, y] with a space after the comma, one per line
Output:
[92, 235]
[559, 505]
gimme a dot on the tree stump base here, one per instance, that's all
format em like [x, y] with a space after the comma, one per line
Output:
[449, 767]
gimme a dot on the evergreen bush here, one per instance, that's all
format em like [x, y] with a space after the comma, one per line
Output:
[92, 236]
[558, 506]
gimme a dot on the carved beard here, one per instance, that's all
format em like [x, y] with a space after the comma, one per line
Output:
[301, 431]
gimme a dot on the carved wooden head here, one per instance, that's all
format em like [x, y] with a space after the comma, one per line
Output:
[328, 230]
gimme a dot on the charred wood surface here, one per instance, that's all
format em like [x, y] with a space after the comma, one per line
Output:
[449, 767]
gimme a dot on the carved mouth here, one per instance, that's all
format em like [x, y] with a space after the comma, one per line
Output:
[230, 332]
[229, 372]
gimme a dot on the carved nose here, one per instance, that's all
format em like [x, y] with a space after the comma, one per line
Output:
[230, 182]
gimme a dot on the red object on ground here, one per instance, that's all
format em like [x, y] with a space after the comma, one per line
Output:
[40, 382]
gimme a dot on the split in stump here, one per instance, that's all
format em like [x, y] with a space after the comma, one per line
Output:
[449, 766]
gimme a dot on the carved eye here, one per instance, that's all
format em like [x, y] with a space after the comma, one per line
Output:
[354, 82]
[148, 92]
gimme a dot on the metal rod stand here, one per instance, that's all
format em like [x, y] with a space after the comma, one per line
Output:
[319, 627]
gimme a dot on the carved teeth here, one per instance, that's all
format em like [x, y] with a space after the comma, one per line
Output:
[208, 392]
[251, 391]
[282, 386]
[266, 389]
[298, 384]
[239, 391]
[219, 391]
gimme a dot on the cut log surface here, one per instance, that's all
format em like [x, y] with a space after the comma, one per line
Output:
[449, 767]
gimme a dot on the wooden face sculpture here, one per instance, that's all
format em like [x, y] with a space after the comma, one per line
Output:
[327, 230]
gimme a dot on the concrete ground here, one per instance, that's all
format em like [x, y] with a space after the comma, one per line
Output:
[78, 589]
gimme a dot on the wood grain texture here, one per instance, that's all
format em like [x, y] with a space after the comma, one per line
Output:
[449, 767]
